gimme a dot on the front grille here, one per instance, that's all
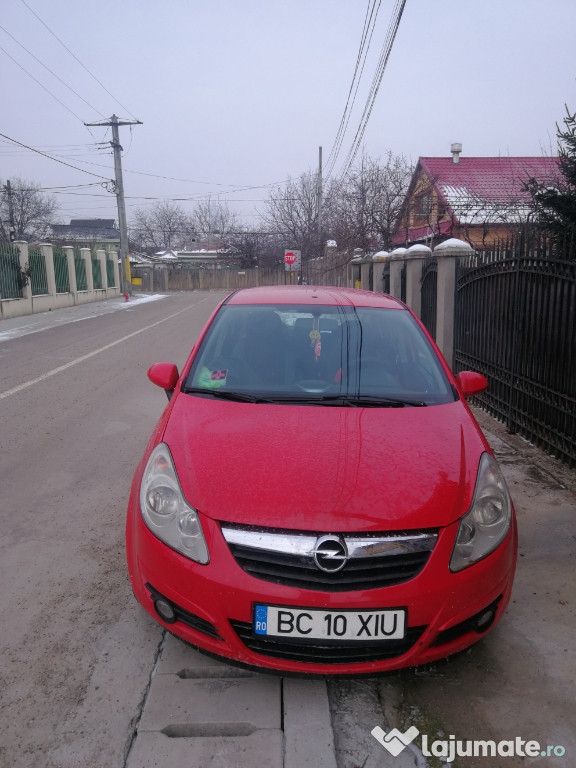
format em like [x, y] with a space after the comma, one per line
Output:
[287, 558]
[325, 652]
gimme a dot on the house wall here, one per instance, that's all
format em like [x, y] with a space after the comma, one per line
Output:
[432, 224]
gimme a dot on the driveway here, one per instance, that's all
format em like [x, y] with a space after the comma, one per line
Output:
[517, 683]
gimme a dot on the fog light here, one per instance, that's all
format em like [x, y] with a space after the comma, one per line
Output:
[485, 619]
[165, 610]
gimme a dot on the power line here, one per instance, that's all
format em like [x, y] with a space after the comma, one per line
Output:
[363, 50]
[55, 159]
[40, 84]
[383, 61]
[49, 70]
[74, 56]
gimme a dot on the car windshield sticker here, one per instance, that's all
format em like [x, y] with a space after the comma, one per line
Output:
[212, 379]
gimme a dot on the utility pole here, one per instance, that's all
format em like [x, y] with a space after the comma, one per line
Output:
[319, 193]
[114, 122]
[12, 225]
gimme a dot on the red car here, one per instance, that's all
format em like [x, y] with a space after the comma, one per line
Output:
[317, 496]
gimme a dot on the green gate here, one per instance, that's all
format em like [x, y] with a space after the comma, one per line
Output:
[110, 272]
[11, 279]
[37, 269]
[61, 271]
[96, 272]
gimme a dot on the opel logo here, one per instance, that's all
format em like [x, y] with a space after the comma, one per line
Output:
[330, 553]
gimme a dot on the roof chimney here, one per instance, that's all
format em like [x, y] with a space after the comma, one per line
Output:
[456, 149]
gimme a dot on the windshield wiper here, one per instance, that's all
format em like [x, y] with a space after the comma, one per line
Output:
[346, 401]
[369, 401]
[224, 394]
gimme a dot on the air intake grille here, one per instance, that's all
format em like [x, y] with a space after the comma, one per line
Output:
[322, 652]
[371, 561]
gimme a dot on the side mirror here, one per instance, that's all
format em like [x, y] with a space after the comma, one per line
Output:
[471, 383]
[164, 375]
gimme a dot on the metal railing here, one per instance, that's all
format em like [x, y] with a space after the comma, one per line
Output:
[110, 272]
[96, 272]
[61, 275]
[515, 319]
[11, 279]
[37, 270]
[429, 294]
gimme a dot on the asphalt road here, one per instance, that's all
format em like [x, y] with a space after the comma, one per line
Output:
[77, 652]
[76, 410]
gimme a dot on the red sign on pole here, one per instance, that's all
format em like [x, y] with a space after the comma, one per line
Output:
[292, 260]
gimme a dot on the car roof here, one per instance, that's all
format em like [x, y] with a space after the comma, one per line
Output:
[306, 294]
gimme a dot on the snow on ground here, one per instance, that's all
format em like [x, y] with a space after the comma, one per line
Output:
[14, 327]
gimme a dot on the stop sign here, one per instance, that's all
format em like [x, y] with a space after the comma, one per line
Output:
[289, 257]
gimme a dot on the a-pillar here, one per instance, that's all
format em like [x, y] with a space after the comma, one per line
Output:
[448, 254]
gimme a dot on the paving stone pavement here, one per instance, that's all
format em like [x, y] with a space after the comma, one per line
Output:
[201, 712]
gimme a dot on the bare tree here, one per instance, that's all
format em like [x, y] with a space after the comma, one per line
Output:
[163, 226]
[292, 211]
[33, 211]
[213, 219]
[256, 248]
[362, 209]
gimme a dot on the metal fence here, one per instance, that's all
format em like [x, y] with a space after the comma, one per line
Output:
[37, 270]
[429, 294]
[11, 279]
[515, 321]
[96, 272]
[110, 272]
[61, 271]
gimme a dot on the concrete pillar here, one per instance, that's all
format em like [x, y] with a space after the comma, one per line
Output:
[101, 257]
[47, 253]
[72, 285]
[365, 275]
[86, 254]
[447, 253]
[114, 257]
[414, 263]
[396, 265]
[379, 265]
[355, 268]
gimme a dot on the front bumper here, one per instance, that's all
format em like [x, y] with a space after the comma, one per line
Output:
[214, 604]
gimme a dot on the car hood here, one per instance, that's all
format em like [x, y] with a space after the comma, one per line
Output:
[332, 469]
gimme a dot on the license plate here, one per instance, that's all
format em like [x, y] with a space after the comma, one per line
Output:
[313, 624]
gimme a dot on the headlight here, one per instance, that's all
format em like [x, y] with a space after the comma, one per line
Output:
[165, 510]
[485, 526]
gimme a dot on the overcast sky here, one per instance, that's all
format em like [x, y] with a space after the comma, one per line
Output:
[238, 95]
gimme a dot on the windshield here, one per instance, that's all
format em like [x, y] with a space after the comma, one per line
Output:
[325, 354]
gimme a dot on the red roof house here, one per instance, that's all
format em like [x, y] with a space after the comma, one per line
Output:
[477, 199]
